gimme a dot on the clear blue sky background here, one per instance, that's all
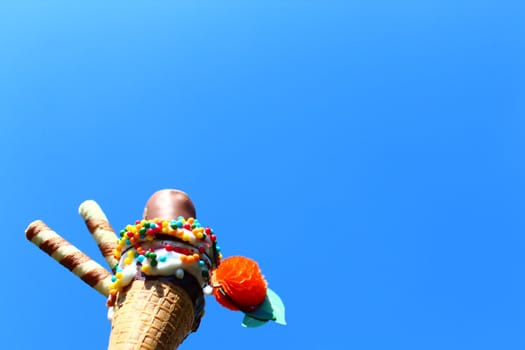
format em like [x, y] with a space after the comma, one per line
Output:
[369, 154]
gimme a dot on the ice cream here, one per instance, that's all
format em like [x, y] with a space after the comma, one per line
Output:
[165, 248]
[167, 254]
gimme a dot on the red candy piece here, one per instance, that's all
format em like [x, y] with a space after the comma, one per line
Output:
[181, 250]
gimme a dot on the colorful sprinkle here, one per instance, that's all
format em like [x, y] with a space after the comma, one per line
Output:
[202, 240]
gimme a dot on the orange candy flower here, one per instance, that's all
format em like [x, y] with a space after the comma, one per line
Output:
[241, 279]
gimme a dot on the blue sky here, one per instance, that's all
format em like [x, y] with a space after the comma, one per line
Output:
[369, 154]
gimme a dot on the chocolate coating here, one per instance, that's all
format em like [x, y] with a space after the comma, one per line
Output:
[169, 204]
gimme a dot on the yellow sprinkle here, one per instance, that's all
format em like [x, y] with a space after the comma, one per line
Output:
[149, 237]
[191, 221]
[117, 285]
[165, 223]
[118, 275]
[145, 268]
[142, 222]
[128, 261]
[131, 254]
[200, 235]
[165, 229]
[186, 237]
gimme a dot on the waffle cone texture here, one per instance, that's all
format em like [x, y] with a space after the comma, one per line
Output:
[151, 315]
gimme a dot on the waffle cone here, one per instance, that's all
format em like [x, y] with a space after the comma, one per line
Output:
[151, 315]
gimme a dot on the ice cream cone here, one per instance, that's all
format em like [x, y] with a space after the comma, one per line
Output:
[151, 315]
[157, 297]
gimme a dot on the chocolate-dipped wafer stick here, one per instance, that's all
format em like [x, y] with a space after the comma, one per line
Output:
[97, 223]
[69, 256]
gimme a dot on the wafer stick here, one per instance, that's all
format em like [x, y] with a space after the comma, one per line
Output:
[69, 256]
[97, 223]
